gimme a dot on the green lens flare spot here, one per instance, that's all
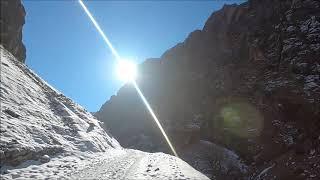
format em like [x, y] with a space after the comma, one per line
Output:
[241, 119]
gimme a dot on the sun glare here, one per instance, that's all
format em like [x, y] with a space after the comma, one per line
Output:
[126, 70]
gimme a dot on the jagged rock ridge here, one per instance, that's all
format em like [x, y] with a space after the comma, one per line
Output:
[248, 81]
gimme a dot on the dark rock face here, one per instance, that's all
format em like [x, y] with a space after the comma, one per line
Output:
[249, 81]
[11, 23]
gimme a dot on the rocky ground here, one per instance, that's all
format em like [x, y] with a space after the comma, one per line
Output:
[45, 135]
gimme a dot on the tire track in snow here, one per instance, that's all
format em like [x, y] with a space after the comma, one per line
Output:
[114, 168]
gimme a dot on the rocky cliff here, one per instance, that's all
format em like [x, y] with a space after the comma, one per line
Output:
[248, 82]
[11, 24]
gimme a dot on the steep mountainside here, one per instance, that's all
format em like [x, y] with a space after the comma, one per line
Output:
[37, 120]
[248, 81]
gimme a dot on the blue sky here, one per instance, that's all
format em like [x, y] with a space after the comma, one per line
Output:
[64, 48]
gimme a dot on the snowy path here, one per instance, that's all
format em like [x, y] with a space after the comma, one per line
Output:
[139, 165]
[113, 164]
[113, 168]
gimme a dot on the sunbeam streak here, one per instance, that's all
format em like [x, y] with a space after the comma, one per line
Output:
[113, 50]
[118, 58]
[154, 117]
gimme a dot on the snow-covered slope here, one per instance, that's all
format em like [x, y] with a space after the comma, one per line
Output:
[45, 134]
[37, 120]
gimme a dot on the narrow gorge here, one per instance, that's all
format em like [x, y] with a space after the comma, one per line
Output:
[239, 99]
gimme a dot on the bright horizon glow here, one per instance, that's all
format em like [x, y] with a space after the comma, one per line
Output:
[115, 53]
[126, 70]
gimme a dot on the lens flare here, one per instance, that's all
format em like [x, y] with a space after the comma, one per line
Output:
[241, 119]
[129, 75]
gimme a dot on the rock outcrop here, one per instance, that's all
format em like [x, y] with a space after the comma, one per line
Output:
[12, 20]
[248, 81]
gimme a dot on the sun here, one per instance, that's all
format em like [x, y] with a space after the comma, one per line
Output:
[126, 70]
